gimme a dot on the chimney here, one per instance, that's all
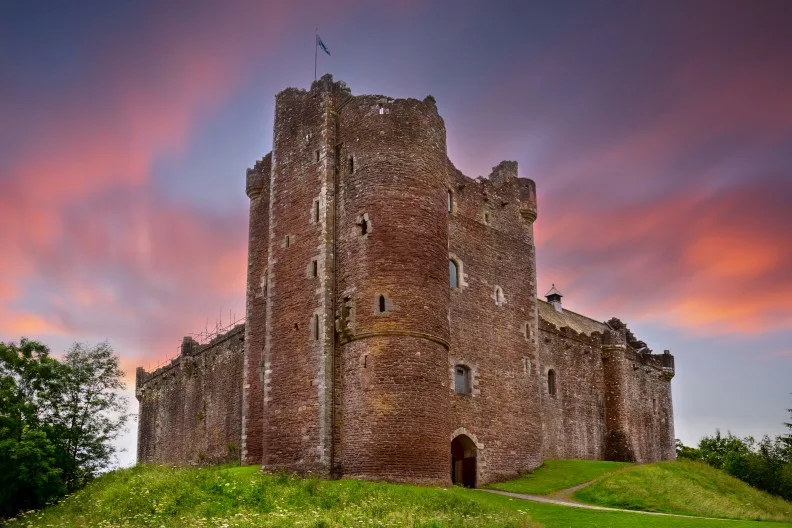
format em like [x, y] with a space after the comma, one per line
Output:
[554, 298]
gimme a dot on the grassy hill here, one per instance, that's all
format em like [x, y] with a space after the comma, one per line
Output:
[557, 475]
[242, 497]
[685, 487]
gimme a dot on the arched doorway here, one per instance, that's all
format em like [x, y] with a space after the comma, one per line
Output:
[463, 461]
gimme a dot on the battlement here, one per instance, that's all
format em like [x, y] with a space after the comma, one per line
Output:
[189, 348]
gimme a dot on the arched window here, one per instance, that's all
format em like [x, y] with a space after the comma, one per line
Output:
[551, 382]
[462, 383]
[453, 273]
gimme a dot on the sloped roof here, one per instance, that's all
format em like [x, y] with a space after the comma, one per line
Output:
[554, 291]
[579, 323]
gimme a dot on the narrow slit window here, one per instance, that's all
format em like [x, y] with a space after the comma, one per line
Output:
[486, 218]
[288, 240]
[551, 382]
[351, 164]
[314, 268]
[462, 383]
[363, 224]
[453, 274]
[317, 154]
[382, 304]
[316, 211]
[450, 202]
[316, 327]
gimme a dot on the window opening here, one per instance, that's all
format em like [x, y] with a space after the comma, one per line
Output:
[453, 273]
[461, 379]
[382, 304]
[315, 268]
[498, 295]
[486, 218]
[363, 224]
[551, 382]
[317, 153]
[288, 240]
[316, 211]
[316, 327]
[450, 202]
[351, 164]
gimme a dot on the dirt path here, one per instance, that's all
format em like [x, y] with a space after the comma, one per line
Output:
[560, 498]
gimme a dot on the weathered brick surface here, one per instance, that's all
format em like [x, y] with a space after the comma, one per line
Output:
[191, 409]
[353, 330]
[502, 414]
[258, 190]
[394, 400]
[611, 402]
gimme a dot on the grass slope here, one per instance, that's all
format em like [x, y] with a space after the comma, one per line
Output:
[557, 475]
[685, 487]
[236, 497]
[241, 497]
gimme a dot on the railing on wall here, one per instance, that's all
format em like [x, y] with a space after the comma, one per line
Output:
[203, 337]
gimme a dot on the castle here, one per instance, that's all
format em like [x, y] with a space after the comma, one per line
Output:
[393, 329]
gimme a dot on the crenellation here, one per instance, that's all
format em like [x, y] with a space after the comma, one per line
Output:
[392, 302]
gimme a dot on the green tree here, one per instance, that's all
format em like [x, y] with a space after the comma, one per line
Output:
[58, 420]
[90, 414]
[30, 380]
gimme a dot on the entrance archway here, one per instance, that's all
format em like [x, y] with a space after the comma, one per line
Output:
[463, 461]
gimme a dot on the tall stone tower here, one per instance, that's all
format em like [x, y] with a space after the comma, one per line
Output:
[347, 334]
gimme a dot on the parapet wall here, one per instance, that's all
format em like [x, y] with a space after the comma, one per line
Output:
[610, 401]
[191, 409]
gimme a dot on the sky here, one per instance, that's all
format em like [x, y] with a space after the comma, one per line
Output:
[659, 136]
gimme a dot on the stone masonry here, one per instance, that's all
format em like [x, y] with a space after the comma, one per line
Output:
[393, 328]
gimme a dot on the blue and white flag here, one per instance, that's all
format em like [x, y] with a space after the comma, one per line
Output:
[322, 44]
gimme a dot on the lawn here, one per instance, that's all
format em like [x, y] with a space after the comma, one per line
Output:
[557, 475]
[685, 487]
[242, 497]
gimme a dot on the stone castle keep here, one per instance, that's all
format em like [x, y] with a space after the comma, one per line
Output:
[393, 328]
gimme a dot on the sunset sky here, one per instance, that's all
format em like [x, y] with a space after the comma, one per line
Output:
[659, 136]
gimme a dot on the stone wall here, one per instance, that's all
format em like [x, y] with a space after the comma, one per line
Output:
[191, 409]
[392, 243]
[493, 321]
[354, 330]
[611, 401]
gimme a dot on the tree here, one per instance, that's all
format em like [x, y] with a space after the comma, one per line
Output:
[787, 438]
[57, 420]
[29, 471]
[90, 414]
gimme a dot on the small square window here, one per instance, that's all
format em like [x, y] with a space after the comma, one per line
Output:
[462, 383]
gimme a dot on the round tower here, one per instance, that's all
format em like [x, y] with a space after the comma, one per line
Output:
[392, 290]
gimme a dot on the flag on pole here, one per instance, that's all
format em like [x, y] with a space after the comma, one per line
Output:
[322, 44]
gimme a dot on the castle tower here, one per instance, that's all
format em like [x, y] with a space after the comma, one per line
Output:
[393, 290]
[616, 367]
[258, 190]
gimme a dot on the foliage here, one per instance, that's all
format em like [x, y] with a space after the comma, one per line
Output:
[685, 487]
[57, 420]
[242, 496]
[684, 452]
[766, 465]
[557, 475]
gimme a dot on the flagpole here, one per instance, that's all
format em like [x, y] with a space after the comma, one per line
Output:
[316, 49]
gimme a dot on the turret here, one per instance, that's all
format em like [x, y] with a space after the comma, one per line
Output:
[393, 290]
[618, 445]
[257, 187]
